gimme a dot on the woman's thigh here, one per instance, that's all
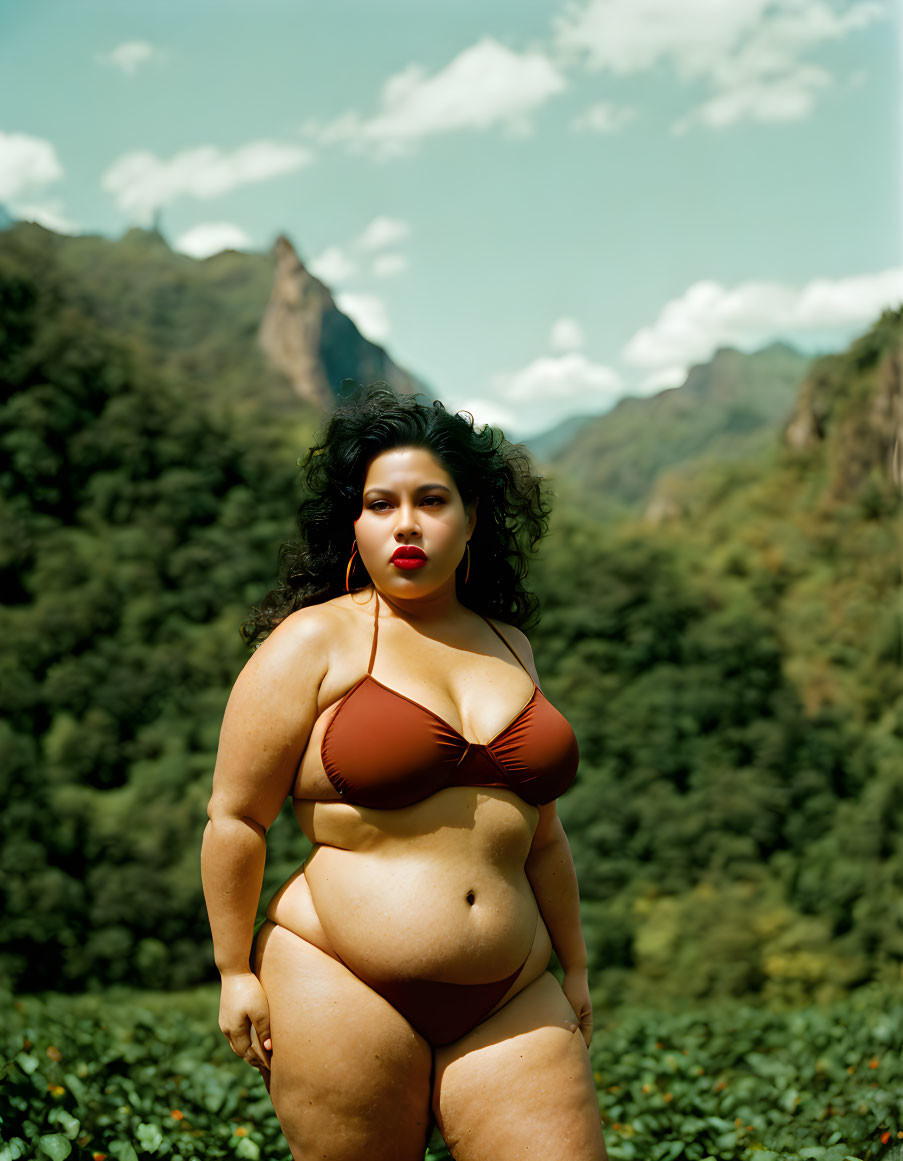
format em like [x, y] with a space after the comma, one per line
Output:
[520, 1085]
[349, 1076]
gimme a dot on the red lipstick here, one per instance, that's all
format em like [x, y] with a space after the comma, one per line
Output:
[408, 557]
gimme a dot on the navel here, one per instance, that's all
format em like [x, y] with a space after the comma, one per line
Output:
[471, 898]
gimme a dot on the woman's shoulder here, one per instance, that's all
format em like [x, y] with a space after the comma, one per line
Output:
[519, 642]
[514, 635]
[308, 621]
[307, 635]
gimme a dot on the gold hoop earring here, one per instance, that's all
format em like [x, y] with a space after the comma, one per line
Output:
[467, 570]
[348, 569]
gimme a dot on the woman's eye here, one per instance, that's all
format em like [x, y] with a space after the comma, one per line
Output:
[384, 505]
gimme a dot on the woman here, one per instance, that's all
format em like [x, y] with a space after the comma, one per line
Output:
[401, 974]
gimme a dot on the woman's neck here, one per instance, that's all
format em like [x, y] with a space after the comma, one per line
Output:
[439, 607]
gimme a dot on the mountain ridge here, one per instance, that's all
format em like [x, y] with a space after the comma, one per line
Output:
[730, 406]
[234, 321]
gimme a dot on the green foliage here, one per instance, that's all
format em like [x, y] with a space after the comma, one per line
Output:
[196, 320]
[734, 673]
[129, 1076]
[737, 691]
[134, 1076]
[140, 520]
[735, 1082]
[728, 408]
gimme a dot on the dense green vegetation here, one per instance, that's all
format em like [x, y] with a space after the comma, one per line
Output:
[728, 409]
[735, 676]
[734, 672]
[130, 1077]
[139, 521]
[197, 320]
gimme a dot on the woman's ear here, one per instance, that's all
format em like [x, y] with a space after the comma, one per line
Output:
[471, 510]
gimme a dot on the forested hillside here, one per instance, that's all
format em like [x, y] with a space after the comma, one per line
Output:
[251, 330]
[736, 676]
[733, 669]
[728, 408]
[139, 520]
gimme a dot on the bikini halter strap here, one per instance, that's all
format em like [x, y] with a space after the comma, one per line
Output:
[497, 632]
[506, 642]
[375, 632]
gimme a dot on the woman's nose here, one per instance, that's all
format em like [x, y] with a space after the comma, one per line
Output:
[406, 521]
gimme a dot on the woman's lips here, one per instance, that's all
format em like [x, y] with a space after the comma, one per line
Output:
[409, 558]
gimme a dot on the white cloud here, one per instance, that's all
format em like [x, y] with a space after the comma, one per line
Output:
[786, 98]
[333, 266]
[385, 265]
[751, 53]
[141, 182]
[383, 232]
[603, 117]
[26, 164]
[129, 56]
[567, 377]
[660, 380]
[708, 315]
[485, 86]
[49, 215]
[566, 335]
[208, 238]
[629, 36]
[368, 312]
[336, 265]
[548, 390]
[490, 411]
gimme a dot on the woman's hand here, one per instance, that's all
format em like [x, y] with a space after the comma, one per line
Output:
[244, 1019]
[576, 988]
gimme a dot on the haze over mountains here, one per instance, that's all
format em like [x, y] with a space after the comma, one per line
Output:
[729, 407]
[260, 333]
[254, 327]
[261, 330]
[728, 648]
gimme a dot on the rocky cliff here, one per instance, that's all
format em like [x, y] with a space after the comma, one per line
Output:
[306, 337]
[253, 329]
[851, 406]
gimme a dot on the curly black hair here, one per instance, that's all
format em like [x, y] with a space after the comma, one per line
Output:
[513, 506]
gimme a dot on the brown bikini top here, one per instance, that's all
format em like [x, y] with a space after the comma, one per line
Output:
[384, 750]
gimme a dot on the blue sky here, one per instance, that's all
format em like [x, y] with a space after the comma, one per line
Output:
[536, 207]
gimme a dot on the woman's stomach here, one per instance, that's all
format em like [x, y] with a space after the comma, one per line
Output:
[434, 891]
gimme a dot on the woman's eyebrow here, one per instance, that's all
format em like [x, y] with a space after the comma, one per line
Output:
[419, 488]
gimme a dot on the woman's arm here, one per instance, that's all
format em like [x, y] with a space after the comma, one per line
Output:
[550, 869]
[267, 722]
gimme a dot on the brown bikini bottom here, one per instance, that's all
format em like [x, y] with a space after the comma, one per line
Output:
[441, 1012]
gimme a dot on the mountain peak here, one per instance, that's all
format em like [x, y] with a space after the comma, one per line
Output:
[852, 404]
[311, 342]
[727, 407]
[151, 238]
[292, 325]
[286, 254]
